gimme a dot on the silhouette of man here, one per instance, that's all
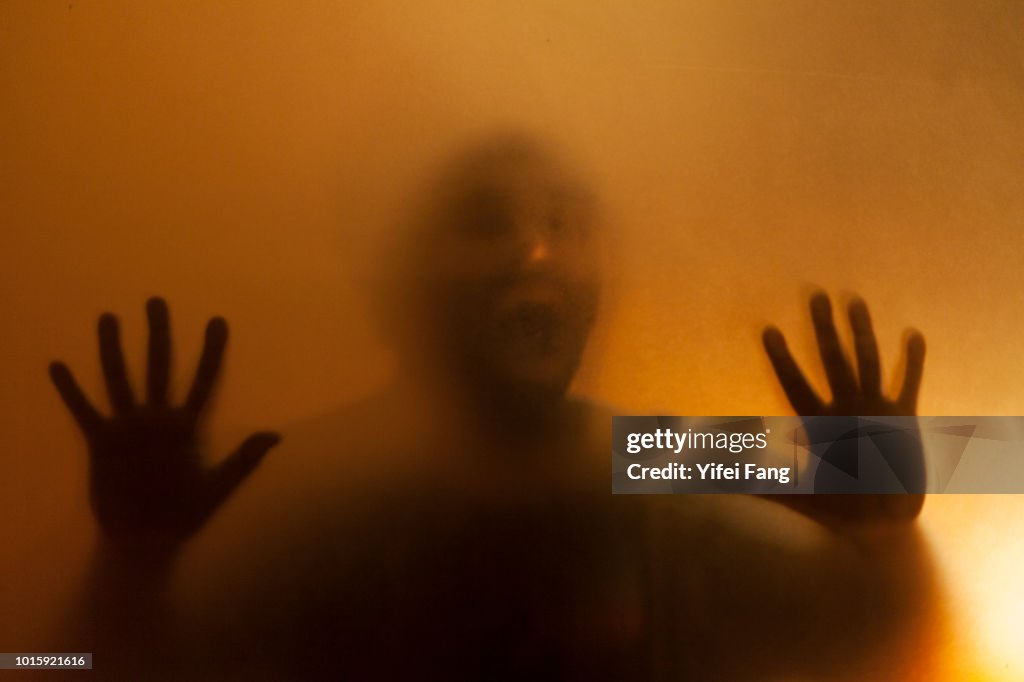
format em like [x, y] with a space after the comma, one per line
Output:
[465, 528]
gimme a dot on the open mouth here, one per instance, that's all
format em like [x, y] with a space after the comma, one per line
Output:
[536, 325]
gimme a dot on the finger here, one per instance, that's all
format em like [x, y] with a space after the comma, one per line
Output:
[800, 394]
[915, 369]
[236, 468]
[209, 365]
[837, 369]
[866, 346]
[112, 361]
[159, 367]
[81, 409]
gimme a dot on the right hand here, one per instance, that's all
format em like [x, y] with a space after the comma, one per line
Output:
[146, 478]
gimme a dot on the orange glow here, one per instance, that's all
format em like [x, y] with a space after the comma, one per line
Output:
[233, 158]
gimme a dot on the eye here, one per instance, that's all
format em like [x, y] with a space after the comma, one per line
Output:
[486, 214]
[570, 219]
[559, 220]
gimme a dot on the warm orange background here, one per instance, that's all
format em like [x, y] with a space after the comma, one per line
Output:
[216, 153]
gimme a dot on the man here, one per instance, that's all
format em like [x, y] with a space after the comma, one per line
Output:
[465, 529]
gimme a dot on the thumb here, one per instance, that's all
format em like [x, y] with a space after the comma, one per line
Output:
[237, 467]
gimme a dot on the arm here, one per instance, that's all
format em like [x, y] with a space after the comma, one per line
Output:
[149, 490]
[854, 392]
[743, 590]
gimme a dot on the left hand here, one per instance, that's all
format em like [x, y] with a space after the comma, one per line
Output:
[855, 392]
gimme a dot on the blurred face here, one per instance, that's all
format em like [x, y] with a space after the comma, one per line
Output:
[511, 268]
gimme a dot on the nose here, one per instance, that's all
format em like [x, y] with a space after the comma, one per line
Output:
[539, 250]
[538, 236]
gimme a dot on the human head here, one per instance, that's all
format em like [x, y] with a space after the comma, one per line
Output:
[501, 274]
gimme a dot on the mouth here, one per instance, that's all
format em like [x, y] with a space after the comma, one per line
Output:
[534, 326]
